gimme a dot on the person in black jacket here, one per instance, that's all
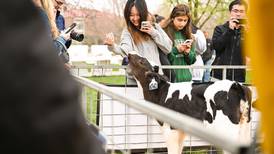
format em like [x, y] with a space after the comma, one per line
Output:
[227, 41]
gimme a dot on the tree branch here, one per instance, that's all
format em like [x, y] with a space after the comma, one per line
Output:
[211, 13]
[204, 11]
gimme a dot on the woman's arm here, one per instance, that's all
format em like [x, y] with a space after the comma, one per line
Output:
[200, 42]
[161, 39]
[190, 58]
[126, 44]
[61, 48]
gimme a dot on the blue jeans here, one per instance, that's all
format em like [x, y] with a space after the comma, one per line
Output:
[206, 77]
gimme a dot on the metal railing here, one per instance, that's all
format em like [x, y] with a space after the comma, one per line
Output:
[224, 68]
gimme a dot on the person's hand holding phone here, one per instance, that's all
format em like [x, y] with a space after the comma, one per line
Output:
[184, 47]
[146, 27]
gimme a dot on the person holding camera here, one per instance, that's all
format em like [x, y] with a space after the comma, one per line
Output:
[60, 23]
[140, 35]
[46, 11]
[227, 42]
[178, 28]
[59, 18]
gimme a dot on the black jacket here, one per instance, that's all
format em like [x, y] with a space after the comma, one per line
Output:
[228, 46]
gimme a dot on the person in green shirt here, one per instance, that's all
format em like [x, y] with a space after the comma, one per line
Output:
[178, 28]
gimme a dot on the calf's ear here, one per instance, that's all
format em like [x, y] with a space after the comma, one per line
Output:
[152, 75]
[159, 78]
[245, 94]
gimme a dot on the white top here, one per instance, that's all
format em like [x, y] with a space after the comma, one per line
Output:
[200, 48]
[147, 49]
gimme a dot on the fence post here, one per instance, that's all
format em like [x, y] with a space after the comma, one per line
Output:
[224, 73]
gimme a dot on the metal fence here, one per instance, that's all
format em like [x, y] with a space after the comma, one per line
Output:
[82, 69]
[125, 118]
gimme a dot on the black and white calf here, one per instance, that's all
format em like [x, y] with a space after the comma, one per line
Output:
[225, 100]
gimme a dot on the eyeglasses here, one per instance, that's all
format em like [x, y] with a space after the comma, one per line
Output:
[237, 11]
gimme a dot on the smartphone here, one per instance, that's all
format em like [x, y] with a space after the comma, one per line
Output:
[73, 25]
[188, 41]
[240, 21]
[144, 24]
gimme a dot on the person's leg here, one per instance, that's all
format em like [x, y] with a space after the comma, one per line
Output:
[206, 77]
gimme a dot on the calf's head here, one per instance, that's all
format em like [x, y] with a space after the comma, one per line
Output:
[138, 66]
[141, 69]
[148, 76]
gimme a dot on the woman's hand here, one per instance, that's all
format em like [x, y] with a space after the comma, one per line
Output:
[66, 36]
[184, 47]
[147, 28]
[109, 40]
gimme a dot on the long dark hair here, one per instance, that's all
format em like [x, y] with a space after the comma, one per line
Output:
[135, 32]
[178, 10]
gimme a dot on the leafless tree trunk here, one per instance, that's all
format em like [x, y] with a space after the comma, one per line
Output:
[201, 11]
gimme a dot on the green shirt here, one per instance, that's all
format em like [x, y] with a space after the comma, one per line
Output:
[177, 58]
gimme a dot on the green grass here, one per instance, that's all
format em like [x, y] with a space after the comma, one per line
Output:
[92, 94]
[119, 80]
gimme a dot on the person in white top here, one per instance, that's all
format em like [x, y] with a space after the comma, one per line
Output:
[145, 39]
[200, 48]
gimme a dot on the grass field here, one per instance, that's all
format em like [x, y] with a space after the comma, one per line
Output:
[92, 94]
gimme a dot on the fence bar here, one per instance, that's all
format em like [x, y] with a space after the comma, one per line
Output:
[86, 66]
[224, 73]
[84, 100]
[177, 120]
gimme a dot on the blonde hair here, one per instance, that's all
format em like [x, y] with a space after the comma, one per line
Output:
[48, 7]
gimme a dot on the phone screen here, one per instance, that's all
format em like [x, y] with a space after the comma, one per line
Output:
[188, 41]
[144, 24]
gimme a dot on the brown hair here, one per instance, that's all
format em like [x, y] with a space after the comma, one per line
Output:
[137, 35]
[48, 6]
[168, 26]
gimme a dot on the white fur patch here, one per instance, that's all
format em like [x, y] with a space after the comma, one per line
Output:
[244, 106]
[184, 88]
[221, 85]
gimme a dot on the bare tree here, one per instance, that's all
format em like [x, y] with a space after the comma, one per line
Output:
[203, 10]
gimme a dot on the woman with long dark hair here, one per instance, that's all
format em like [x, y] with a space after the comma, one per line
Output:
[146, 40]
[178, 28]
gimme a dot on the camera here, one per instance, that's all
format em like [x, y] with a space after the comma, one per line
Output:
[76, 36]
[241, 21]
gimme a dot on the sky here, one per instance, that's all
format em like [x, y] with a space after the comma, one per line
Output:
[103, 4]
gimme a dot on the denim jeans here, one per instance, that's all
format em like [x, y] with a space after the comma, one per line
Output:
[206, 77]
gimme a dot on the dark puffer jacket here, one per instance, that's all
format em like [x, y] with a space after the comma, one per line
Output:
[228, 46]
